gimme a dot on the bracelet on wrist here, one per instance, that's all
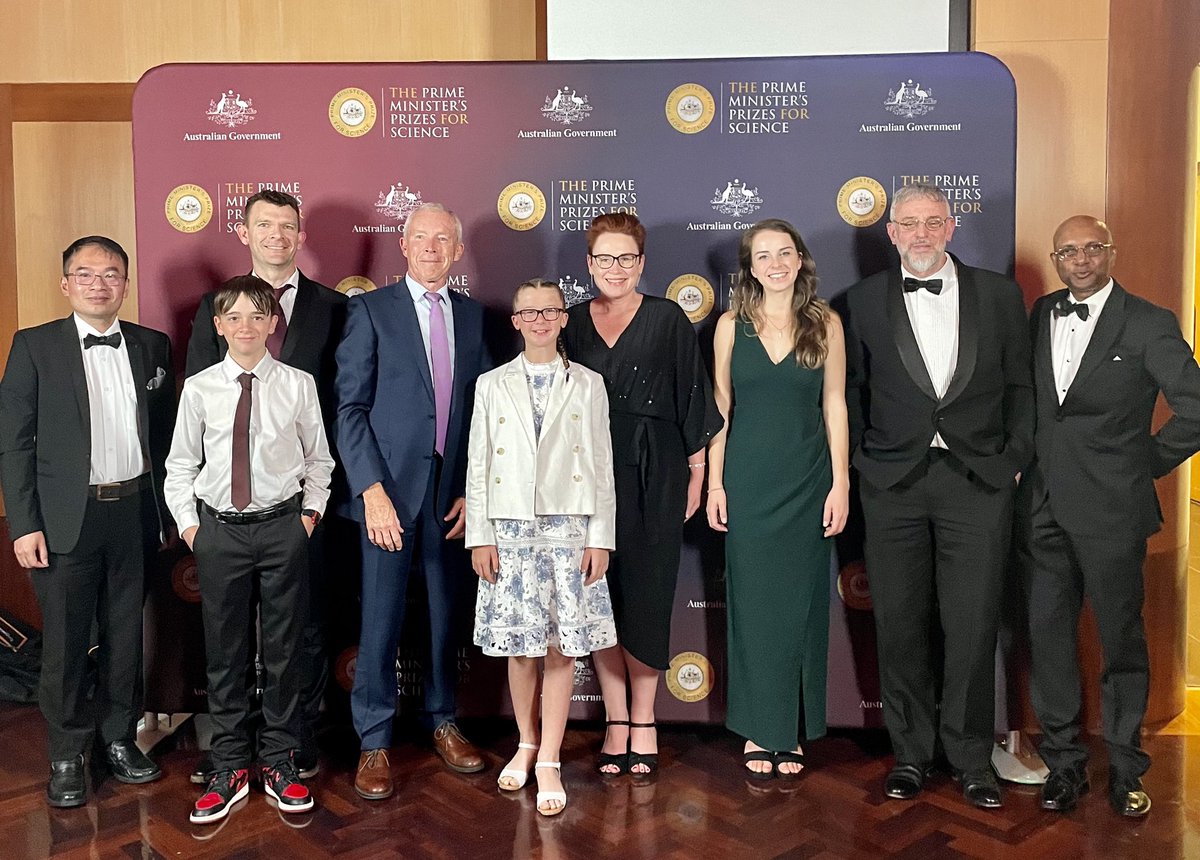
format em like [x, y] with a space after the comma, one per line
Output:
[695, 465]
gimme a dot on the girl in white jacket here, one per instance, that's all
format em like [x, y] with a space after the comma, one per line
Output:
[540, 524]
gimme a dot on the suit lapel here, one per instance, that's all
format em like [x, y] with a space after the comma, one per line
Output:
[411, 334]
[137, 366]
[301, 316]
[905, 339]
[518, 391]
[1042, 354]
[558, 399]
[968, 332]
[74, 358]
[1108, 329]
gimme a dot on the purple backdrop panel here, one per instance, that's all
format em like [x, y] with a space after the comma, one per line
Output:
[527, 154]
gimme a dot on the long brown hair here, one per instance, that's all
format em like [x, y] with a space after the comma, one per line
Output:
[543, 284]
[810, 312]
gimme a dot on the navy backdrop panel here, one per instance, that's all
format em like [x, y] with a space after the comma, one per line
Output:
[527, 154]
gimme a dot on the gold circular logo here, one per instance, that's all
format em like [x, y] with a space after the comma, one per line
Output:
[690, 677]
[853, 587]
[189, 208]
[352, 112]
[861, 201]
[355, 285]
[690, 108]
[693, 294]
[184, 580]
[521, 205]
[343, 668]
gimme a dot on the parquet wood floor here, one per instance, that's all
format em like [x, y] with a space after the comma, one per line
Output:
[700, 806]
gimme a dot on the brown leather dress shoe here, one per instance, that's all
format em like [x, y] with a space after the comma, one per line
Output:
[458, 752]
[374, 779]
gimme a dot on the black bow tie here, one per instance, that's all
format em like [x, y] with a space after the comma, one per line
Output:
[113, 340]
[934, 285]
[1065, 307]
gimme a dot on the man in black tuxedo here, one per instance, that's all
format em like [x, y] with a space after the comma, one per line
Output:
[1100, 358]
[306, 338]
[941, 417]
[87, 405]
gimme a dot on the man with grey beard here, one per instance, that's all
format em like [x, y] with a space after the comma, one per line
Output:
[941, 411]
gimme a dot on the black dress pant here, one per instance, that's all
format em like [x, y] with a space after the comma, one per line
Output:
[230, 558]
[101, 584]
[936, 545]
[1061, 568]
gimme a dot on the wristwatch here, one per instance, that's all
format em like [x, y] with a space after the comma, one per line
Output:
[315, 516]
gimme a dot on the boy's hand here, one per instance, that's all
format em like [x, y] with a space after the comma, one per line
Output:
[189, 535]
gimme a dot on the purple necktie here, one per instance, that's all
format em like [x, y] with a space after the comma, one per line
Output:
[275, 339]
[439, 351]
[239, 476]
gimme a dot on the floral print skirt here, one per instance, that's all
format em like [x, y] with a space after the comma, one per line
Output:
[539, 600]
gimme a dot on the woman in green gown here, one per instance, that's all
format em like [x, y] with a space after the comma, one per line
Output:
[779, 485]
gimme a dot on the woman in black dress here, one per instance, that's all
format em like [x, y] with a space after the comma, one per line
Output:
[662, 414]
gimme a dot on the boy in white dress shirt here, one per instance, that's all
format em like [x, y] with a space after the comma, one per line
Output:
[247, 481]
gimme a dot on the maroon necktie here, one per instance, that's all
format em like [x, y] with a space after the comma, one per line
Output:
[275, 338]
[240, 470]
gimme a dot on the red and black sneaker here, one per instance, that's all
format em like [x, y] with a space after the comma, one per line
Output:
[225, 788]
[282, 782]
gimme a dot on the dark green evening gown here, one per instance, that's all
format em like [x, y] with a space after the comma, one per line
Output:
[777, 477]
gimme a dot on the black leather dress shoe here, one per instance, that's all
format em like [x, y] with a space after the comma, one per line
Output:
[1127, 797]
[981, 789]
[1063, 788]
[129, 764]
[904, 782]
[66, 788]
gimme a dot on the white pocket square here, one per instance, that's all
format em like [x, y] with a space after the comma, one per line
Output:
[160, 376]
[1116, 358]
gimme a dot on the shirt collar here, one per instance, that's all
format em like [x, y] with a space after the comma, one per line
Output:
[418, 290]
[231, 370]
[1095, 301]
[85, 329]
[293, 279]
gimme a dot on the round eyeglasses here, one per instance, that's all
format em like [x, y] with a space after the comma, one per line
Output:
[530, 314]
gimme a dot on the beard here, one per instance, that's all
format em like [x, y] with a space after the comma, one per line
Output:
[922, 262]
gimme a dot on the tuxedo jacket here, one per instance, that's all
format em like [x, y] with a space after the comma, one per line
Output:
[1095, 450]
[386, 424]
[567, 470]
[45, 426]
[986, 414]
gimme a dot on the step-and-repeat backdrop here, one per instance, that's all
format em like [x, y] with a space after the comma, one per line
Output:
[527, 154]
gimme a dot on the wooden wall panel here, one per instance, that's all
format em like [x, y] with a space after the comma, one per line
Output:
[118, 40]
[70, 180]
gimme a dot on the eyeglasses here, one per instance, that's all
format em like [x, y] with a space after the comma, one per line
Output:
[1070, 252]
[605, 261]
[85, 279]
[548, 314]
[933, 222]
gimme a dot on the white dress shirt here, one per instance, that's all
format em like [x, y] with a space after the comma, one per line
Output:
[418, 295]
[117, 453]
[287, 301]
[288, 449]
[935, 323]
[1070, 336]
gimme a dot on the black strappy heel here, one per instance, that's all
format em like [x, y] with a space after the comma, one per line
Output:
[650, 760]
[618, 760]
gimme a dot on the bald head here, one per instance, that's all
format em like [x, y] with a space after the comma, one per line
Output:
[1083, 255]
[1086, 222]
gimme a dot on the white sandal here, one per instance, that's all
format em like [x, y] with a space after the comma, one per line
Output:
[520, 777]
[546, 796]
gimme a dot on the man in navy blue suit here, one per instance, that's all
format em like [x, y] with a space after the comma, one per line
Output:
[406, 370]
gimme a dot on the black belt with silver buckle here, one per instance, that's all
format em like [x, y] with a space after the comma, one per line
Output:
[291, 506]
[118, 489]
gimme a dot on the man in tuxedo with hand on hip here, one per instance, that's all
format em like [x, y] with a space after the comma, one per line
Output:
[1101, 357]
